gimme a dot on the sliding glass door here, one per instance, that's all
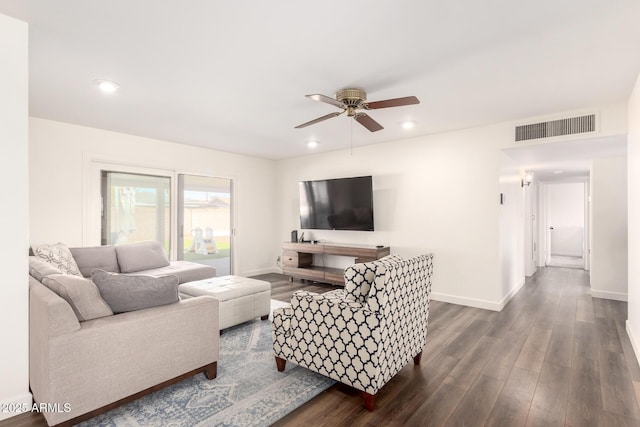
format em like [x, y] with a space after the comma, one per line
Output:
[204, 221]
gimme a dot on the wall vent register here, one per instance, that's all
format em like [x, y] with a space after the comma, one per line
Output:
[570, 126]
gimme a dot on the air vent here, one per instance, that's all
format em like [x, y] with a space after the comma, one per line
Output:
[561, 127]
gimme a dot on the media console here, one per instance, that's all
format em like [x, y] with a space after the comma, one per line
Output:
[297, 259]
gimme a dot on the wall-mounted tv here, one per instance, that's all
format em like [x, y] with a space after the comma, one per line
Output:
[337, 204]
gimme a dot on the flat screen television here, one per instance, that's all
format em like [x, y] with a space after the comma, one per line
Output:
[337, 204]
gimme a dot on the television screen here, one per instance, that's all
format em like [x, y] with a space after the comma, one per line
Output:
[337, 204]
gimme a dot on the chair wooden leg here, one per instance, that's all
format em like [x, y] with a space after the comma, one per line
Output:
[416, 359]
[280, 364]
[369, 401]
[211, 371]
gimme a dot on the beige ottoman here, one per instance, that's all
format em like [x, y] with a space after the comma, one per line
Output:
[241, 299]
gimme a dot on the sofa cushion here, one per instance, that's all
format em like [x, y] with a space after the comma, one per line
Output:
[140, 256]
[129, 293]
[185, 270]
[59, 256]
[39, 268]
[81, 294]
[360, 277]
[90, 258]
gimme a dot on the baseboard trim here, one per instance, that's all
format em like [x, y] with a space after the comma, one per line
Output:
[478, 303]
[571, 254]
[512, 293]
[634, 342]
[260, 271]
[24, 401]
[616, 296]
[469, 302]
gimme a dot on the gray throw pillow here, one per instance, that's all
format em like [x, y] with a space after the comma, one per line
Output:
[81, 294]
[141, 256]
[89, 258]
[59, 256]
[126, 293]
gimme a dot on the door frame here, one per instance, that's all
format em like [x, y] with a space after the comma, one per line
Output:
[544, 238]
[93, 163]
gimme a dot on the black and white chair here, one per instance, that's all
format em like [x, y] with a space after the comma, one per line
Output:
[364, 334]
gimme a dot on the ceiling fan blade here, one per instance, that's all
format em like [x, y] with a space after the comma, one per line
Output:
[396, 102]
[368, 122]
[318, 120]
[326, 99]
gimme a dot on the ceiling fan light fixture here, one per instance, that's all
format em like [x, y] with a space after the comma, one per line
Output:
[107, 86]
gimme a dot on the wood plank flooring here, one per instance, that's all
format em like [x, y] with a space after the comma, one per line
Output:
[553, 356]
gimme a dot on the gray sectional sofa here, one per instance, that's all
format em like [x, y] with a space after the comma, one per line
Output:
[94, 365]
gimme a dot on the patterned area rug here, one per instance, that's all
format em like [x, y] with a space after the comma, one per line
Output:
[248, 391]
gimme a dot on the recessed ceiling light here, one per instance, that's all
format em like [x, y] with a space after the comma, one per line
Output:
[558, 172]
[312, 144]
[107, 85]
[408, 125]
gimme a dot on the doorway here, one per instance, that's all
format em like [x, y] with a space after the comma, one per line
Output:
[205, 221]
[565, 230]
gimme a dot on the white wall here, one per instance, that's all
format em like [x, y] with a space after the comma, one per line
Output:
[565, 213]
[609, 228]
[512, 235]
[60, 152]
[531, 231]
[437, 193]
[432, 194]
[14, 232]
[633, 200]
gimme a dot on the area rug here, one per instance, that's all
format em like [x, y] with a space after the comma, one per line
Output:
[248, 391]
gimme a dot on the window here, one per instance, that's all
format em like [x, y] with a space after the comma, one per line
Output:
[135, 207]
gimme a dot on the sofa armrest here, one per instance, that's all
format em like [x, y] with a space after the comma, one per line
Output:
[114, 357]
[49, 314]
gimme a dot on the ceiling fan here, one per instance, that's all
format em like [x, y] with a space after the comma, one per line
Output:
[352, 101]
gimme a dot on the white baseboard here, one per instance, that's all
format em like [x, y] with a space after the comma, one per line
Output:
[477, 303]
[511, 294]
[469, 302]
[260, 271]
[571, 254]
[25, 401]
[616, 296]
[634, 342]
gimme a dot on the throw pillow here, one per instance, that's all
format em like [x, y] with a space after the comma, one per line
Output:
[89, 258]
[126, 293]
[59, 256]
[38, 269]
[141, 256]
[80, 293]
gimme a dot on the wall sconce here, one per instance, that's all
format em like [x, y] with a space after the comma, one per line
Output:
[528, 179]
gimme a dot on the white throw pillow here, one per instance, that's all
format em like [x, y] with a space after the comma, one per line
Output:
[59, 256]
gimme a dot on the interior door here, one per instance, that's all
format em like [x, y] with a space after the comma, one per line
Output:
[205, 229]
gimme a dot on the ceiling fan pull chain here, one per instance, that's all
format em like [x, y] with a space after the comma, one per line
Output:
[351, 126]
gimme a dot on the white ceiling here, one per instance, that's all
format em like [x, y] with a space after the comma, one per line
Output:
[232, 75]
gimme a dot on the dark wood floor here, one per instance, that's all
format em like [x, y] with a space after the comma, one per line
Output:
[553, 357]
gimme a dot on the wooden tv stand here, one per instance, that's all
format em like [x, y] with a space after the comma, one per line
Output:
[297, 259]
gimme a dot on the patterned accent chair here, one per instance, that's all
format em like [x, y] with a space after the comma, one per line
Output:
[364, 334]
